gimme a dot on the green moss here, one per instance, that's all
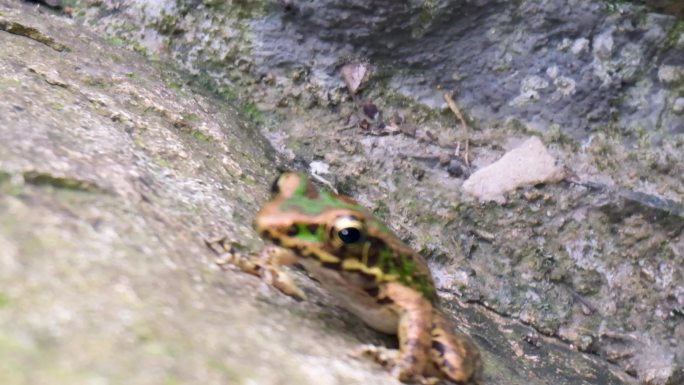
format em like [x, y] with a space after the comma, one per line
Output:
[162, 162]
[57, 105]
[253, 113]
[167, 24]
[114, 58]
[144, 332]
[172, 380]
[673, 35]
[225, 92]
[641, 132]
[604, 156]
[245, 9]
[556, 135]
[4, 177]
[191, 117]
[11, 189]
[4, 300]
[425, 17]
[67, 183]
[96, 81]
[419, 112]
[117, 41]
[139, 48]
[174, 85]
[199, 136]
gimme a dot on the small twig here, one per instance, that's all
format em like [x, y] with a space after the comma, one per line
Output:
[484, 235]
[325, 182]
[454, 108]
[580, 299]
[351, 121]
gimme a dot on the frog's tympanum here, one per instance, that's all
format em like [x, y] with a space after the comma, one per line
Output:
[369, 269]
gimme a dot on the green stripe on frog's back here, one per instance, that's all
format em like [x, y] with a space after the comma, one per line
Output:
[299, 201]
[325, 200]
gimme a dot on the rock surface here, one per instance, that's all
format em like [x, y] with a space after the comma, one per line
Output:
[574, 64]
[114, 167]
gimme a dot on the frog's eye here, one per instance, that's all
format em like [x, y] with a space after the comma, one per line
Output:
[347, 231]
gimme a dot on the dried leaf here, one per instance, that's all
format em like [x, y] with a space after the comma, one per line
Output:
[354, 74]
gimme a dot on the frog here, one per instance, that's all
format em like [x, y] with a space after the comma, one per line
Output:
[368, 269]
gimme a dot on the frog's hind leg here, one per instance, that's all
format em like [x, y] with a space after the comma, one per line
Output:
[265, 265]
[414, 326]
[454, 356]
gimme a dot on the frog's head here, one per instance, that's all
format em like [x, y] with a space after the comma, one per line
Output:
[313, 223]
[338, 232]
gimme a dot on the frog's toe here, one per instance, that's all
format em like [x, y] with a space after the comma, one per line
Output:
[387, 358]
[404, 374]
[429, 380]
[220, 244]
[390, 360]
[283, 282]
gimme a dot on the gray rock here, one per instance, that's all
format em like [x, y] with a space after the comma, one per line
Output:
[678, 106]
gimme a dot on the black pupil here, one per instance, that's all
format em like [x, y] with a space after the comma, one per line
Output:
[349, 235]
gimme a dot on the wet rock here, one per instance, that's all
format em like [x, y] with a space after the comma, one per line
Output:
[678, 106]
[671, 74]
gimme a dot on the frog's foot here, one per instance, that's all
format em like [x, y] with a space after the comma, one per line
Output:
[389, 359]
[265, 265]
[385, 357]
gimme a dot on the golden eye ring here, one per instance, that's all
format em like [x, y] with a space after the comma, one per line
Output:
[347, 231]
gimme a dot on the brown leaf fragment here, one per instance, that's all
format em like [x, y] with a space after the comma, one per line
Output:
[354, 74]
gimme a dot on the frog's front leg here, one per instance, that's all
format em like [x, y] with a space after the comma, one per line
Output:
[415, 313]
[265, 265]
